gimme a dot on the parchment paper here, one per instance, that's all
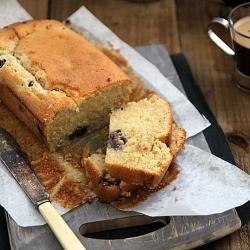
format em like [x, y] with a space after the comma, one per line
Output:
[206, 184]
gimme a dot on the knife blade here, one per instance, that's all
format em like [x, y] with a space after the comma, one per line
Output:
[19, 166]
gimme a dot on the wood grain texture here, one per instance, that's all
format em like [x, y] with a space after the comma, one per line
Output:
[37, 9]
[137, 23]
[213, 71]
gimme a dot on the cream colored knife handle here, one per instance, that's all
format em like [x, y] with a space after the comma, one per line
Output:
[63, 233]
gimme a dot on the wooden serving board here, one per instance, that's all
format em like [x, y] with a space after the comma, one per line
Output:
[179, 232]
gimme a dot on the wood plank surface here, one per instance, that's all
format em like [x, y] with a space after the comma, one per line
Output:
[181, 26]
[137, 23]
[213, 71]
[37, 9]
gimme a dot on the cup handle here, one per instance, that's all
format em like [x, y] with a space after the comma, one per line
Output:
[216, 39]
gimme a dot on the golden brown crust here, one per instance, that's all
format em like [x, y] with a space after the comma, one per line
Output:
[142, 194]
[128, 187]
[55, 74]
[178, 139]
[145, 178]
[8, 40]
[66, 56]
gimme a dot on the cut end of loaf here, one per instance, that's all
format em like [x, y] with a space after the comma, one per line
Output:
[137, 150]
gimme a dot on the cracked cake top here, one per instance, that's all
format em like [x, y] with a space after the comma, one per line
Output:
[58, 57]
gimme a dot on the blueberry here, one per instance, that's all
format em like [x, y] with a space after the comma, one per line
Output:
[105, 181]
[31, 83]
[2, 62]
[117, 139]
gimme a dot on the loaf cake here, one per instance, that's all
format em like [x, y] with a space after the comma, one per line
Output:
[57, 83]
[139, 136]
[62, 172]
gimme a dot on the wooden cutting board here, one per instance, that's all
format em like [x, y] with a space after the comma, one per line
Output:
[176, 232]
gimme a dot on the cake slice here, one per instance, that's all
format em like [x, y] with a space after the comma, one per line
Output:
[110, 189]
[139, 135]
[58, 84]
[106, 188]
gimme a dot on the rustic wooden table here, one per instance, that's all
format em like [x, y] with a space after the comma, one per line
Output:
[181, 26]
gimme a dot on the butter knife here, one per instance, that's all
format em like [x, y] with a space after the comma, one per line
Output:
[18, 164]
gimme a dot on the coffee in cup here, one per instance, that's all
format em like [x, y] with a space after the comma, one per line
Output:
[238, 23]
[241, 44]
[234, 3]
